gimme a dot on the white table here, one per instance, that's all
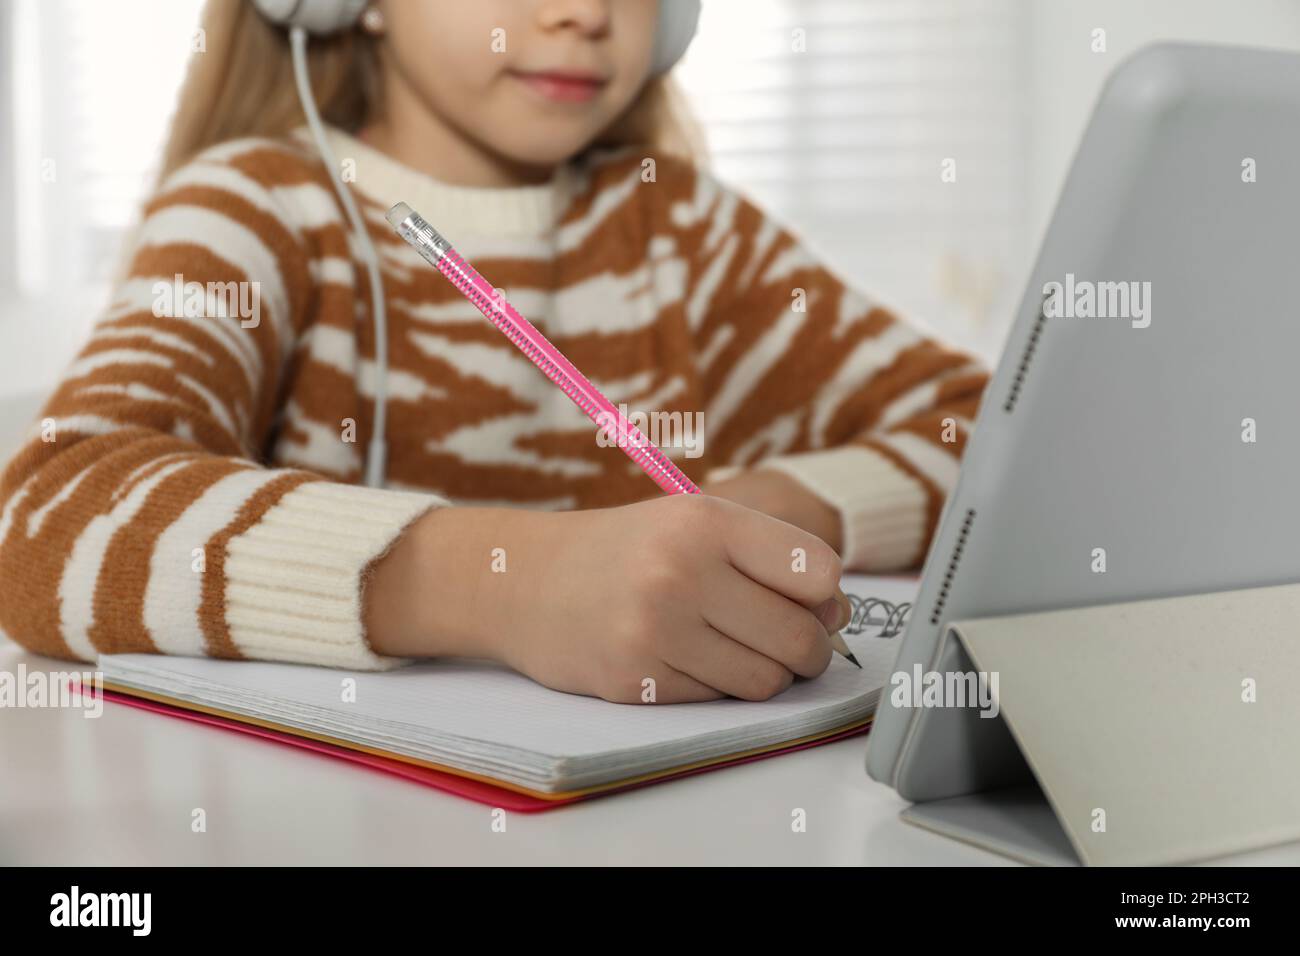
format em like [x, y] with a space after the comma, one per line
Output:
[121, 790]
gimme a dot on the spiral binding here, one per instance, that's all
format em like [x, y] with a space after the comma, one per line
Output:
[877, 613]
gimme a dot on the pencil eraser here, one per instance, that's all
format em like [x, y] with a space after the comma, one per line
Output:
[399, 214]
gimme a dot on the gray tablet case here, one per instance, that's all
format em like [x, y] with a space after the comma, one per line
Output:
[1130, 450]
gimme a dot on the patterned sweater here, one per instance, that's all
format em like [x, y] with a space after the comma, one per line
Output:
[192, 487]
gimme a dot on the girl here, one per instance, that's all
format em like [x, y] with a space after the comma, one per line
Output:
[194, 485]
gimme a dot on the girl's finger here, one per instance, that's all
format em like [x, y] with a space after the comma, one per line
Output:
[671, 686]
[713, 658]
[768, 623]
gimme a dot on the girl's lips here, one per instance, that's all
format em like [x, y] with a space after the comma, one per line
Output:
[562, 87]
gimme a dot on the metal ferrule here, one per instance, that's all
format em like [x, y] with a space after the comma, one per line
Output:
[428, 242]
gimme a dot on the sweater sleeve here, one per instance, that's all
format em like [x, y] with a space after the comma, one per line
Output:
[809, 377]
[137, 517]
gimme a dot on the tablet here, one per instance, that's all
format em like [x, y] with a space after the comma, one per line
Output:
[1141, 437]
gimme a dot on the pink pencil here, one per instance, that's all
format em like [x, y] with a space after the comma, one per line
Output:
[430, 244]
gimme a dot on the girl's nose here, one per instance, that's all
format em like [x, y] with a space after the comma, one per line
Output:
[588, 17]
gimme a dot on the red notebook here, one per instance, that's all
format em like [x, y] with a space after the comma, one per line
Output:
[469, 787]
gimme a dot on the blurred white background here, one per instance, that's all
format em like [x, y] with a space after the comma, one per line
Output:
[843, 139]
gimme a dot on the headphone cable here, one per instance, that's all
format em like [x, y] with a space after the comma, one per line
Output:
[377, 453]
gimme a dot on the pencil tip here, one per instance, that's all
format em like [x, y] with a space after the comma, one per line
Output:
[855, 661]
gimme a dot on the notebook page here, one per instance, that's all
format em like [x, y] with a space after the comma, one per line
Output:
[478, 715]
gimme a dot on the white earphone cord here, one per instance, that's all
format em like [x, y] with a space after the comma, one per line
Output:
[376, 457]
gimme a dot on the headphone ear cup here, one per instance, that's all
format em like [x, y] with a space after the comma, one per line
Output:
[319, 17]
[678, 20]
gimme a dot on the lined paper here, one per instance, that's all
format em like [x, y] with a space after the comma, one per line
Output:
[483, 718]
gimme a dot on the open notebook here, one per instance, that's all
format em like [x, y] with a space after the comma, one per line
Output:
[486, 722]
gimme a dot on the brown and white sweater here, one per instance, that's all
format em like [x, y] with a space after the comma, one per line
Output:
[192, 485]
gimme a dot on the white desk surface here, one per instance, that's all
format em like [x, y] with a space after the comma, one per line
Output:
[120, 790]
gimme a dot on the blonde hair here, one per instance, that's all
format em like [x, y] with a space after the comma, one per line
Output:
[242, 85]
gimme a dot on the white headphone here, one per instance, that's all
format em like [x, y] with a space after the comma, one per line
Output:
[673, 33]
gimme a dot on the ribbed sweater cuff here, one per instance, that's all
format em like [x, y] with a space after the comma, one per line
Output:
[883, 509]
[294, 580]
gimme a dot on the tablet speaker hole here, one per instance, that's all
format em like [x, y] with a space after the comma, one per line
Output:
[953, 561]
[1026, 357]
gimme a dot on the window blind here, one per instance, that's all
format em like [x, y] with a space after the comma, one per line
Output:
[838, 117]
[94, 86]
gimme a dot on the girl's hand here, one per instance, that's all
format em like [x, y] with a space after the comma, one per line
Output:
[673, 599]
[777, 494]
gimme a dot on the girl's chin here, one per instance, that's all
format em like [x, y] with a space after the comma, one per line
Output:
[546, 148]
